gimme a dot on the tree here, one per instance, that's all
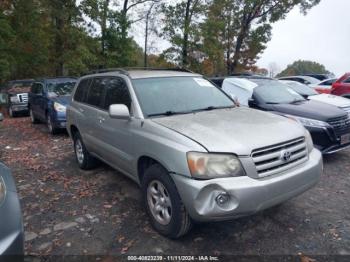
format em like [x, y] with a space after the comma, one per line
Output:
[243, 27]
[301, 67]
[181, 29]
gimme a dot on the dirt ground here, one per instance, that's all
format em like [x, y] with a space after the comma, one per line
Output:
[67, 211]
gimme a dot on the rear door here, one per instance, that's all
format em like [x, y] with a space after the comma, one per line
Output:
[116, 134]
[89, 120]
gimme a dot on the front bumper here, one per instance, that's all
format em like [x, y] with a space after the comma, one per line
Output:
[246, 195]
[19, 108]
[59, 120]
[326, 140]
[11, 226]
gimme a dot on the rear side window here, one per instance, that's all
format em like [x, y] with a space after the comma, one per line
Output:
[96, 91]
[117, 93]
[37, 88]
[82, 89]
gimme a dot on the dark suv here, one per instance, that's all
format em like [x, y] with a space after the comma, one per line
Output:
[17, 96]
[48, 99]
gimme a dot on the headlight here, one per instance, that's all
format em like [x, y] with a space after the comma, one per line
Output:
[309, 142]
[2, 190]
[59, 108]
[308, 122]
[14, 99]
[207, 165]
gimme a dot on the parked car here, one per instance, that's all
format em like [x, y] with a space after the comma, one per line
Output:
[341, 87]
[309, 93]
[48, 99]
[320, 77]
[329, 126]
[195, 155]
[307, 80]
[324, 87]
[17, 95]
[11, 226]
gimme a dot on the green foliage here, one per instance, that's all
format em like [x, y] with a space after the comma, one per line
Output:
[304, 67]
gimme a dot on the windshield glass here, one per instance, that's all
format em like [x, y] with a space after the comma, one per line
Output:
[169, 95]
[60, 87]
[275, 92]
[301, 89]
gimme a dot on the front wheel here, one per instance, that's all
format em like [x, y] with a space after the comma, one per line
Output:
[52, 129]
[11, 113]
[163, 203]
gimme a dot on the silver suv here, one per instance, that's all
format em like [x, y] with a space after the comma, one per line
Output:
[195, 155]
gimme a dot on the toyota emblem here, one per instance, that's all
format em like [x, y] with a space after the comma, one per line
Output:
[286, 155]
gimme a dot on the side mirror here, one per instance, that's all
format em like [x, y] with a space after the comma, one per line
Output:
[1, 117]
[119, 111]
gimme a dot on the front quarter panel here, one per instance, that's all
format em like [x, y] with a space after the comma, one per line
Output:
[166, 146]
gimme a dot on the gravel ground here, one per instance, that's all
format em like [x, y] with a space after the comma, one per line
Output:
[72, 212]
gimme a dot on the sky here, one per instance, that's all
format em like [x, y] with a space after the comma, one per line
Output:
[323, 36]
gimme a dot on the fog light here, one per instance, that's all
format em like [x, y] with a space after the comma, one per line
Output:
[222, 199]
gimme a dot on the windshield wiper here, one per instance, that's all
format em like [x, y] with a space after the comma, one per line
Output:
[296, 101]
[169, 113]
[272, 103]
[209, 108]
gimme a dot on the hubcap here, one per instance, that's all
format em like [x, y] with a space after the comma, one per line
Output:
[79, 151]
[159, 202]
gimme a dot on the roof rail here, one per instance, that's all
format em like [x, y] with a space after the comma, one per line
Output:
[126, 69]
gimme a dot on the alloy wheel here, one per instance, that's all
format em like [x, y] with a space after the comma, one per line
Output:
[79, 152]
[159, 202]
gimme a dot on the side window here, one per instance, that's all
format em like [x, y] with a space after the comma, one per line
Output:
[96, 90]
[117, 93]
[82, 89]
[37, 88]
[347, 81]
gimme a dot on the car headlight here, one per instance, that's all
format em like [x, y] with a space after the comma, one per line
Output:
[307, 122]
[59, 107]
[2, 190]
[14, 99]
[207, 165]
[309, 142]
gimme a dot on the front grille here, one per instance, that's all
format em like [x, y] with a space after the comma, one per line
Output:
[341, 125]
[23, 98]
[269, 160]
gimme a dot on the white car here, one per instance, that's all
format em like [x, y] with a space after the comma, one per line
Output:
[309, 93]
[307, 80]
[325, 86]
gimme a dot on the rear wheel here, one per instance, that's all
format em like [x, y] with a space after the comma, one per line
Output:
[85, 160]
[33, 119]
[163, 203]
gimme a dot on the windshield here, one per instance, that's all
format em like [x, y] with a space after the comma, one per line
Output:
[311, 80]
[171, 95]
[301, 89]
[275, 92]
[61, 87]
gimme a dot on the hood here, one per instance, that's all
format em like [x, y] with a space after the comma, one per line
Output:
[63, 100]
[331, 99]
[237, 130]
[311, 109]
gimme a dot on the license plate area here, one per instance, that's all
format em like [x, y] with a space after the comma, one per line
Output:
[345, 139]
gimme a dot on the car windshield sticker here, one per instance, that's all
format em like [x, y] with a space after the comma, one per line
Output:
[202, 82]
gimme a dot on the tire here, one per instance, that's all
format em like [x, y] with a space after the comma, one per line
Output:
[168, 202]
[33, 119]
[52, 129]
[84, 159]
[11, 113]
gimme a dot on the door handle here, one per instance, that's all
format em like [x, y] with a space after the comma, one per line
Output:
[101, 119]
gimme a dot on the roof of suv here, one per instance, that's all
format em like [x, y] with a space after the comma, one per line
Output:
[139, 73]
